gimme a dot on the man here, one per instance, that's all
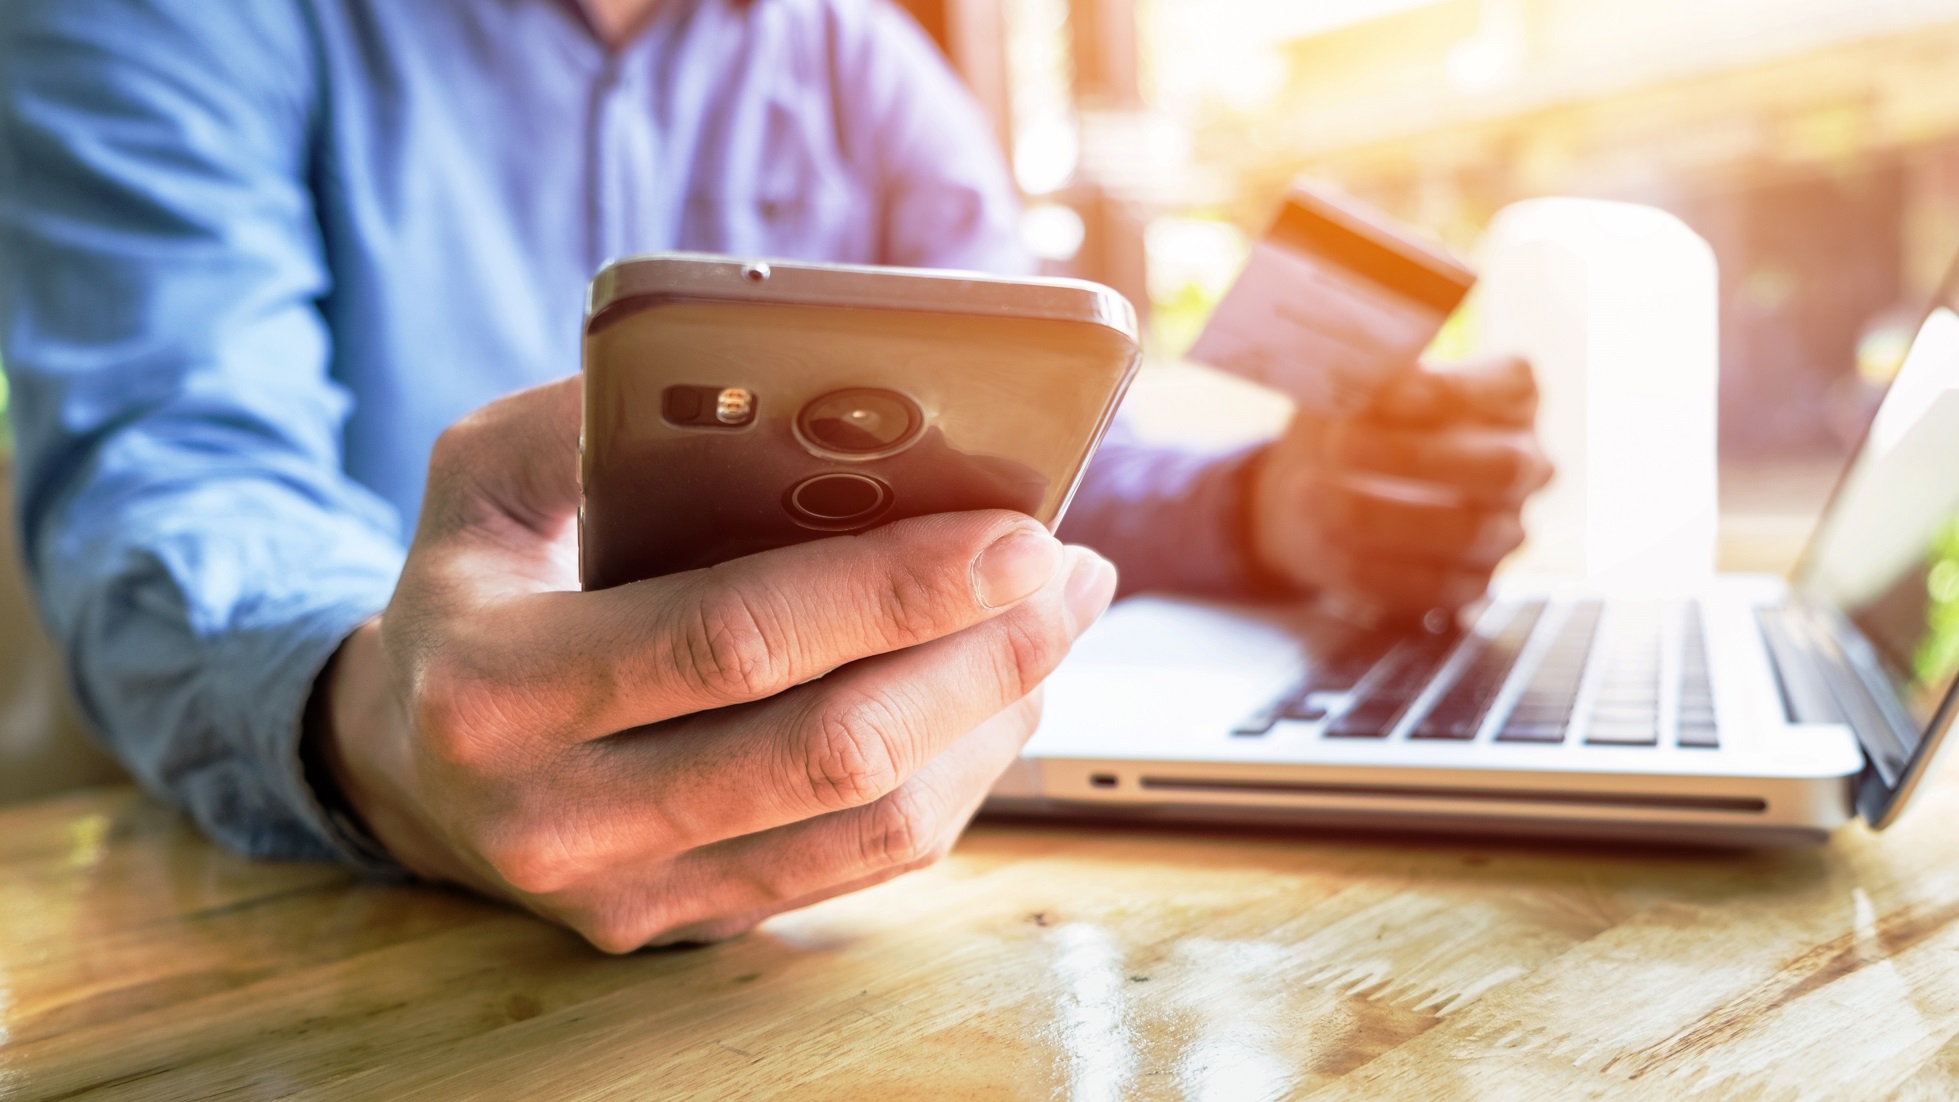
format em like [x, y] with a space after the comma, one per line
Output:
[257, 256]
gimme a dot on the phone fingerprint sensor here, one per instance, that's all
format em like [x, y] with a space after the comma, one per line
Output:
[837, 500]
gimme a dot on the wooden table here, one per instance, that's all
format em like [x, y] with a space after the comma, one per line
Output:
[136, 961]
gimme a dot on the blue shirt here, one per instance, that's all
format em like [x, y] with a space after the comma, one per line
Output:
[256, 254]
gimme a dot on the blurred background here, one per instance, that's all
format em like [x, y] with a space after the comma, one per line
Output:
[1814, 143]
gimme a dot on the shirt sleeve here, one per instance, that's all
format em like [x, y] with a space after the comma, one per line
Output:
[1173, 520]
[1170, 519]
[192, 540]
[938, 177]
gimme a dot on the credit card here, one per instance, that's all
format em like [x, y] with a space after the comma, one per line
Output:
[1334, 301]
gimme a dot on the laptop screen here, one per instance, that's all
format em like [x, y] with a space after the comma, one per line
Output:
[1886, 553]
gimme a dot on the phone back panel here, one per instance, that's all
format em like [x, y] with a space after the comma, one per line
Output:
[1012, 409]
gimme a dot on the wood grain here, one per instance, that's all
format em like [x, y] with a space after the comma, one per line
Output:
[138, 962]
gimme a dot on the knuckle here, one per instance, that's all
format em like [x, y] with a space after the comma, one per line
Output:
[729, 650]
[456, 458]
[911, 607]
[1519, 463]
[850, 761]
[613, 935]
[900, 831]
[1523, 464]
[452, 447]
[534, 862]
[1510, 534]
[1032, 644]
[449, 712]
[1542, 469]
[624, 920]
[524, 867]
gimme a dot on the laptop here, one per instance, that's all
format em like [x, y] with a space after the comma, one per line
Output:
[1749, 711]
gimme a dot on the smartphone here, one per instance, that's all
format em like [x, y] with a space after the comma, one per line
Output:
[735, 406]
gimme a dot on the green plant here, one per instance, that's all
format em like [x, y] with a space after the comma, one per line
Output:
[1938, 656]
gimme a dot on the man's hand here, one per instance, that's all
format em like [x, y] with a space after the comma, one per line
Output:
[678, 758]
[1409, 506]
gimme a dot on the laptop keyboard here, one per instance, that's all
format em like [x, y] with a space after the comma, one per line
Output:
[1444, 688]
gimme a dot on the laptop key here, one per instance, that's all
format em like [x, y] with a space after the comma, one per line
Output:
[1532, 732]
[1308, 707]
[1257, 724]
[1699, 737]
[1301, 702]
[1637, 734]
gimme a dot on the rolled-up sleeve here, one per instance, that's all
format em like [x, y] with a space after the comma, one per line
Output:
[191, 537]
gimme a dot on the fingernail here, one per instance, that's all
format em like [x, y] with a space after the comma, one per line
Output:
[1091, 586]
[1014, 566]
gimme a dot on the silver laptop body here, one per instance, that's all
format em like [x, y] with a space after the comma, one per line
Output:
[1752, 711]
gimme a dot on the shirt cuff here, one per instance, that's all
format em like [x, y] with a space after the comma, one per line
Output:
[291, 656]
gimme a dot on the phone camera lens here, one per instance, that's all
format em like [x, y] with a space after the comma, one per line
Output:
[837, 501]
[861, 421]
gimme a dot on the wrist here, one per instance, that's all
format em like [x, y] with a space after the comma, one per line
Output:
[1268, 573]
[345, 828]
[358, 738]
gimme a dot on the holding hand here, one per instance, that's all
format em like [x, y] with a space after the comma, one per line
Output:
[678, 758]
[1409, 506]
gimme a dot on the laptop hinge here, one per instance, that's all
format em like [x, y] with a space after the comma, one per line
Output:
[1829, 674]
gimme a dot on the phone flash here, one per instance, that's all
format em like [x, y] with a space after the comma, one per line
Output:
[733, 406]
